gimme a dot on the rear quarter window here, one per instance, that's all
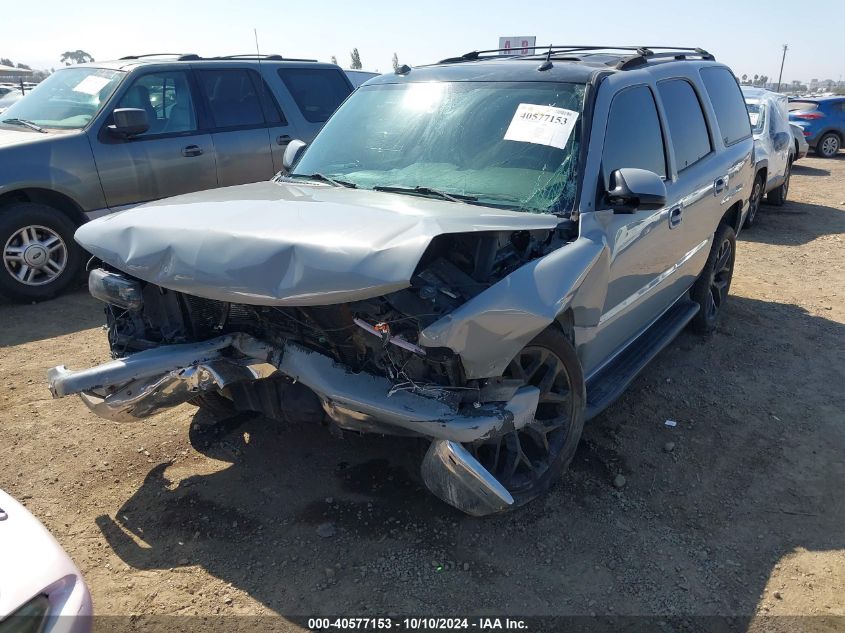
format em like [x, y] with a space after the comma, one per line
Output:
[727, 100]
[317, 91]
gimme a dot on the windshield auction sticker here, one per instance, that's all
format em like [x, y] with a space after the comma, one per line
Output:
[542, 125]
[91, 85]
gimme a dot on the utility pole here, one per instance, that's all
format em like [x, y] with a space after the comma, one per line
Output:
[782, 60]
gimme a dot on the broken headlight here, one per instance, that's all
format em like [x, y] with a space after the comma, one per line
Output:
[115, 289]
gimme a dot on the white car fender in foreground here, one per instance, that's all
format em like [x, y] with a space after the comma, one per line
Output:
[33, 564]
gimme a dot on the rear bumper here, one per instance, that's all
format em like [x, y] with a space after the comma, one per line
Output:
[148, 381]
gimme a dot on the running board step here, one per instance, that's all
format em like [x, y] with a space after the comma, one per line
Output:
[609, 383]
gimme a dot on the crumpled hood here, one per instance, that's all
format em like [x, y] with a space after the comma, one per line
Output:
[275, 243]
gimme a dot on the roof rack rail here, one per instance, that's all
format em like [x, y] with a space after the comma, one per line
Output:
[179, 56]
[637, 54]
[186, 57]
[274, 57]
[271, 57]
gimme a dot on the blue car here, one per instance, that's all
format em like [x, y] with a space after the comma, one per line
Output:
[823, 122]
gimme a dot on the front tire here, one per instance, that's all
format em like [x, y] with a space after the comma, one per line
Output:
[40, 258]
[710, 290]
[828, 145]
[529, 460]
[215, 406]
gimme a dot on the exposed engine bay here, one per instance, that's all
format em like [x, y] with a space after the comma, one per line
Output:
[364, 365]
[378, 336]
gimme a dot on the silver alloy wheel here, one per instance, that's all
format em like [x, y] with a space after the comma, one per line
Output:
[830, 145]
[35, 255]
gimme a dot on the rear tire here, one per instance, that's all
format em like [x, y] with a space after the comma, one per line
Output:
[754, 202]
[828, 145]
[529, 461]
[710, 290]
[777, 196]
[39, 257]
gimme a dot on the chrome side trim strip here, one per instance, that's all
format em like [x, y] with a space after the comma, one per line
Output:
[651, 285]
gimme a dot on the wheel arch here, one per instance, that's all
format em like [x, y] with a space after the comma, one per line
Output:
[733, 216]
[49, 197]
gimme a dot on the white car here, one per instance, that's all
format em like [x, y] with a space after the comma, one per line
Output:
[41, 590]
[774, 148]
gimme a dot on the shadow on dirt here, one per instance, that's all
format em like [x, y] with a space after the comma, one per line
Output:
[69, 313]
[804, 169]
[307, 523]
[795, 223]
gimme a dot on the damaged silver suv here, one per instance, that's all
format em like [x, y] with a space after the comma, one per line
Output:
[483, 253]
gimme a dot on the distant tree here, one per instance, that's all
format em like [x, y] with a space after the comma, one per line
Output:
[764, 79]
[395, 62]
[334, 60]
[756, 79]
[75, 57]
[5, 61]
[356, 59]
[24, 67]
[745, 79]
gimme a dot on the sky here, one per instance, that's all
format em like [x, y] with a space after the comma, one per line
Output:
[745, 34]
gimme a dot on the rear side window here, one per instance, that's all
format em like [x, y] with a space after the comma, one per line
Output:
[803, 106]
[317, 91]
[687, 127]
[633, 137]
[234, 97]
[728, 103]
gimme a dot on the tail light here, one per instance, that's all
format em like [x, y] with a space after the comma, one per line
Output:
[807, 116]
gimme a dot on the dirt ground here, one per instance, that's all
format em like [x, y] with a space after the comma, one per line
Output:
[738, 510]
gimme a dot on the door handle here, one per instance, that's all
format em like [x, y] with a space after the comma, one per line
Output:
[719, 185]
[191, 150]
[676, 215]
[284, 139]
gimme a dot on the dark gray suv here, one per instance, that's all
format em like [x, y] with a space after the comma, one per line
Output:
[96, 138]
[482, 253]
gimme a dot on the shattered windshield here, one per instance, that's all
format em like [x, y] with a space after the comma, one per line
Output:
[506, 144]
[67, 99]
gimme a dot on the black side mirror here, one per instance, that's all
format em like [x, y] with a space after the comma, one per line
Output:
[634, 189]
[292, 152]
[781, 140]
[129, 122]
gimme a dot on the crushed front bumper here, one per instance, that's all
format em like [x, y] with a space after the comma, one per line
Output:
[148, 381]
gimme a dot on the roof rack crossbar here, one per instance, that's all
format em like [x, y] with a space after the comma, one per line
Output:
[638, 60]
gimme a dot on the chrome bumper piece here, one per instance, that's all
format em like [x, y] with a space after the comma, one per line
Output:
[151, 380]
[147, 381]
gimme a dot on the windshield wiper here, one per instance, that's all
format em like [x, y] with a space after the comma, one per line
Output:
[328, 179]
[25, 123]
[426, 191]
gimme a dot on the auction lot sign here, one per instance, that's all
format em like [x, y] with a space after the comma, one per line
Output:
[517, 45]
